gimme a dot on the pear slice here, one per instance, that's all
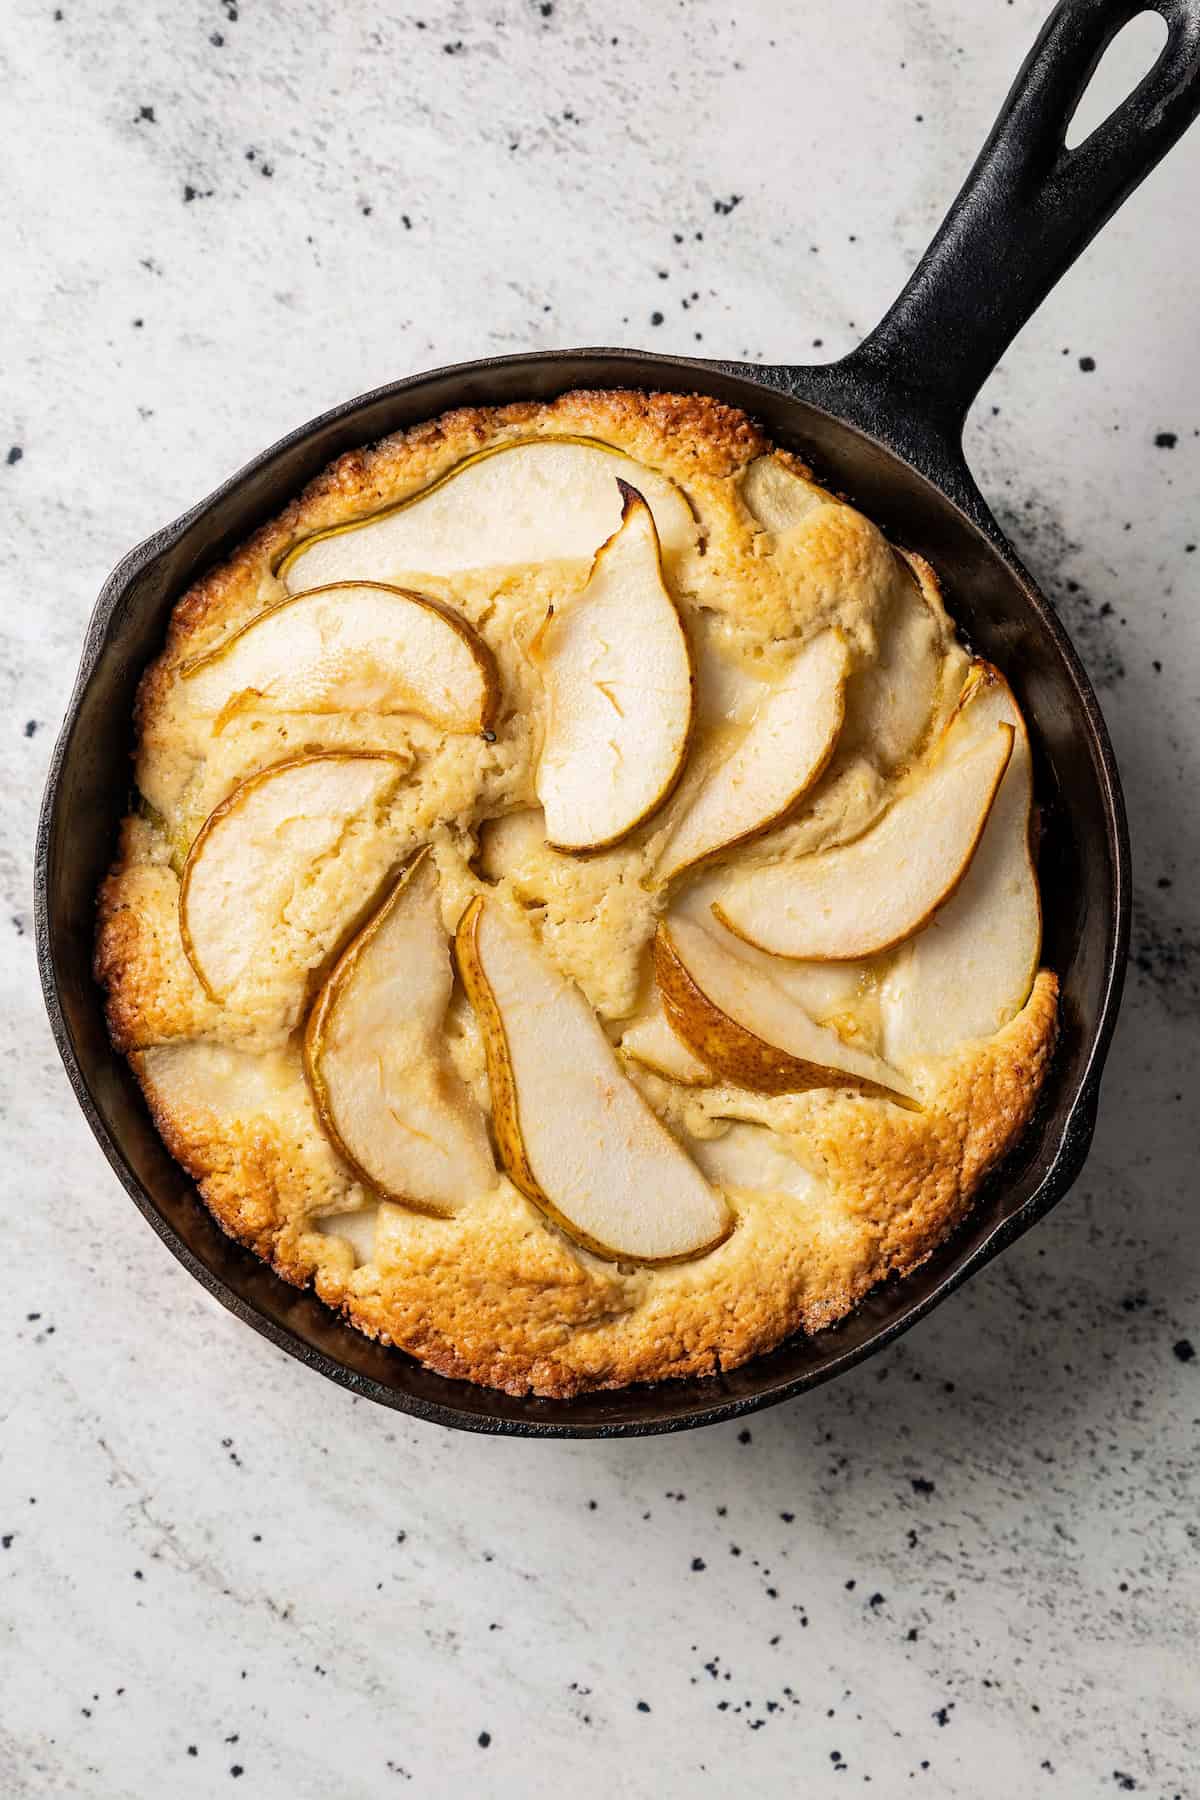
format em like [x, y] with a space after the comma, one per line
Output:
[788, 743]
[541, 500]
[573, 1132]
[358, 1229]
[777, 497]
[619, 692]
[870, 894]
[385, 1089]
[751, 1159]
[748, 1030]
[892, 699]
[256, 850]
[651, 1042]
[970, 970]
[354, 646]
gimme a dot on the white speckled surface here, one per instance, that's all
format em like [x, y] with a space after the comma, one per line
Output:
[969, 1569]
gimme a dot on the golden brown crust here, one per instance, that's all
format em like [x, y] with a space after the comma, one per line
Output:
[153, 993]
[497, 1294]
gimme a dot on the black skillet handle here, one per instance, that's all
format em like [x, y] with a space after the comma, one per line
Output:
[1027, 210]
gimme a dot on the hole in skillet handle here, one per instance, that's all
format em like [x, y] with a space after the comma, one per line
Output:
[1124, 65]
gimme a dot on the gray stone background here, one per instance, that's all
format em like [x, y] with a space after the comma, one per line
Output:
[970, 1568]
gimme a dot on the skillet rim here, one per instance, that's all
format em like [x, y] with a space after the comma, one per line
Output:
[783, 383]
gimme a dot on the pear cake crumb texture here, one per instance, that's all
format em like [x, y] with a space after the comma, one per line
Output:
[804, 1199]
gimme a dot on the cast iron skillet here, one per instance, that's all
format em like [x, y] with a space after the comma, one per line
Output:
[885, 427]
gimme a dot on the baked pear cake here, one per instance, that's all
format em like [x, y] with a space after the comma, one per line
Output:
[579, 911]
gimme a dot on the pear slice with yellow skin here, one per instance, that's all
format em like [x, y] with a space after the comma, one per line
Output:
[535, 500]
[652, 1042]
[748, 1030]
[353, 646]
[787, 745]
[257, 847]
[868, 895]
[573, 1132]
[387, 1094]
[619, 693]
[972, 967]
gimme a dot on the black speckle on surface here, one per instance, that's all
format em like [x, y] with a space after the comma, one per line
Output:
[788, 1518]
[484, 1739]
[921, 1486]
[236, 1769]
[744, 1437]
[698, 1564]
[942, 1715]
[876, 1601]
[725, 207]
[31, 726]
[1087, 364]
[454, 48]
[1168, 958]
[642, 1706]
[192, 1750]
[145, 114]
[1184, 1350]
[1125, 1782]
[216, 40]
[6, 1540]
[1165, 440]
[1038, 530]
[14, 455]
[656, 318]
